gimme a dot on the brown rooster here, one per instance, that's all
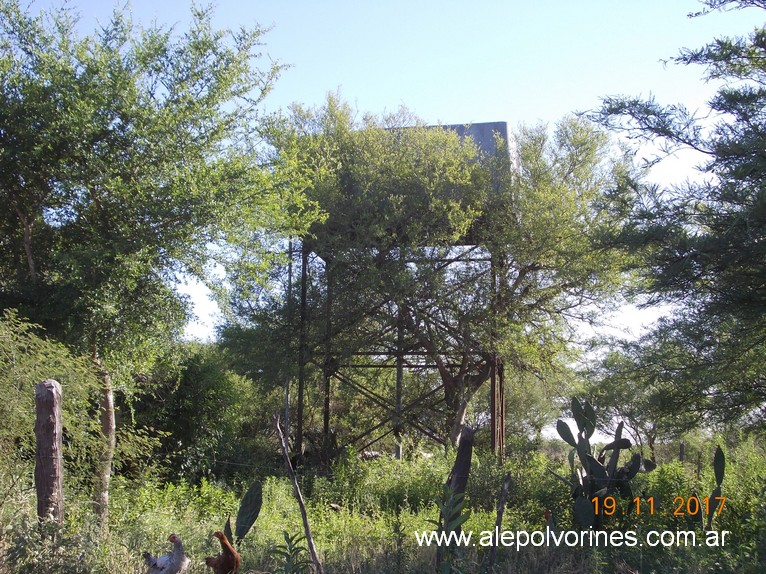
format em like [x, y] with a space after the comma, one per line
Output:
[227, 562]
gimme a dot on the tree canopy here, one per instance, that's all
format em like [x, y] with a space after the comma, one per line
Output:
[704, 241]
[127, 158]
[450, 253]
[26, 358]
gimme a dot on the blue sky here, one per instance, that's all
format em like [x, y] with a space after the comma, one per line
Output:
[459, 61]
[456, 62]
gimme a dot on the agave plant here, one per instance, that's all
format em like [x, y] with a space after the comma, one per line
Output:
[719, 469]
[452, 516]
[292, 557]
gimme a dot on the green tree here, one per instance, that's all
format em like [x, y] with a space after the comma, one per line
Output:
[704, 242]
[612, 386]
[453, 254]
[209, 419]
[26, 358]
[128, 158]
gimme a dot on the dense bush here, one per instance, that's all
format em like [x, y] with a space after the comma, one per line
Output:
[382, 503]
[364, 513]
[383, 484]
[26, 358]
[210, 422]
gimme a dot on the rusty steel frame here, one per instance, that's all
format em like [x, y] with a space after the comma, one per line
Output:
[399, 415]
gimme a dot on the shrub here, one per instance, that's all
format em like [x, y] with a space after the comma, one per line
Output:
[26, 358]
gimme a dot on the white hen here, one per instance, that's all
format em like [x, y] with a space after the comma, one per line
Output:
[174, 562]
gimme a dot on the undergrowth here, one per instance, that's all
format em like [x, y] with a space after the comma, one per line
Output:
[364, 516]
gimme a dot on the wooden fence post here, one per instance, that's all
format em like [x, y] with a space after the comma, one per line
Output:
[49, 469]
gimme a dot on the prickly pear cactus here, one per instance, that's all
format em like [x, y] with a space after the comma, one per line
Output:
[248, 512]
[596, 478]
[719, 469]
[249, 509]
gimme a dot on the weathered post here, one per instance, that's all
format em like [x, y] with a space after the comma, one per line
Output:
[49, 469]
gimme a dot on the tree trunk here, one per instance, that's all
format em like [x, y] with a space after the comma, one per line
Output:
[28, 251]
[459, 389]
[49, 469]
[651, 438]
[26, 222]
[456, 422]
[460, 382]
[456, 483]
[109, 438]
[299, 497]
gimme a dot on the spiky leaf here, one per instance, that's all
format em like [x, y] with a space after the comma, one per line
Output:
[583, 448]
[578, 414]
[227, 529]
[620, 444]
[249, 509]
[453, 525]
[584, 416]
[615, 446]
[565, 433]
[715, 500]
[633, 466]
[618, 431]
[719, 465]
[590, 419]
[595, 469]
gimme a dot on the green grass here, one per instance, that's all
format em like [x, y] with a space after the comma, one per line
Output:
[382, 503]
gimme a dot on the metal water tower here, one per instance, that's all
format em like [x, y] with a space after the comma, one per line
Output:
[400, 415]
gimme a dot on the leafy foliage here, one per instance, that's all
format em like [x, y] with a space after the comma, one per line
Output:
[361, 538]
[465, 254]
[703, 241]
[26, 358]
[56, 551]
[291, 557]
[249, 508]
[125, 156]
[205, 418]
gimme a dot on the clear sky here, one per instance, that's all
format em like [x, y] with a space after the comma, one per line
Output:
[460, 61]
[456, 62]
